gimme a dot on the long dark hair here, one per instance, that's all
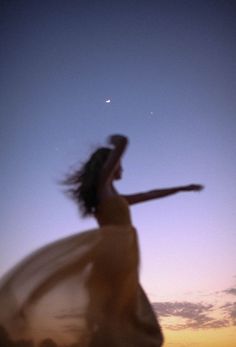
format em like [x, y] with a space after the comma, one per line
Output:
[83, 182]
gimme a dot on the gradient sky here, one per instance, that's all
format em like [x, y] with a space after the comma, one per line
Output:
[168, 68]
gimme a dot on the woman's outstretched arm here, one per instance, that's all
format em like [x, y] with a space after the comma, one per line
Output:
[161, 193]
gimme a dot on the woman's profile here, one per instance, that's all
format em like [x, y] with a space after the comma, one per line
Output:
[84, 291]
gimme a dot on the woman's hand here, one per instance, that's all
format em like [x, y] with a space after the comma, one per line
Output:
[116, 140]
[193, 188]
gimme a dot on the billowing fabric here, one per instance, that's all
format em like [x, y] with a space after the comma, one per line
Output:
[81, 291]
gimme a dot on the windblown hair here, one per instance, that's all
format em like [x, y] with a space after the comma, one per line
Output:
[83, 183]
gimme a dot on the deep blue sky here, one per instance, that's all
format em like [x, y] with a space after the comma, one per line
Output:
[169, 69]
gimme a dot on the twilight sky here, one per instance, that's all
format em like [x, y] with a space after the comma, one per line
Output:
[168, 68]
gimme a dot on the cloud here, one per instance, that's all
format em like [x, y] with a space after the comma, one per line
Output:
[231, 291]
[230, 310]
[192, 315]
[183, 309]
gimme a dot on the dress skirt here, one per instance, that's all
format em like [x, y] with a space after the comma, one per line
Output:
[81, 291]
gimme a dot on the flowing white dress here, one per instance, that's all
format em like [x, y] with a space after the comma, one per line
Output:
[81, 291]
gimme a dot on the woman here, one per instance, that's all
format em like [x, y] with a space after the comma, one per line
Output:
[84, 290]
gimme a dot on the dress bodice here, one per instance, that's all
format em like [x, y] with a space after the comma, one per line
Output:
[113, 211]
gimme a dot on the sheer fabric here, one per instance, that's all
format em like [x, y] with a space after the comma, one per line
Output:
[81, 291]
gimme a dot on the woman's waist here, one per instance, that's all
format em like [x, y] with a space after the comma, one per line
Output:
[121, 240]
[117, 228]
[119, 224]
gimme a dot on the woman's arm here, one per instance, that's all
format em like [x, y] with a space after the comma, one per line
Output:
[161, 193]
[119, 142]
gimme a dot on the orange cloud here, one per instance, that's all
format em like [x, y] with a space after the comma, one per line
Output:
[192, 315]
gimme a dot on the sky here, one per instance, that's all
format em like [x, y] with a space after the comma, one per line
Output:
[167, 69]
